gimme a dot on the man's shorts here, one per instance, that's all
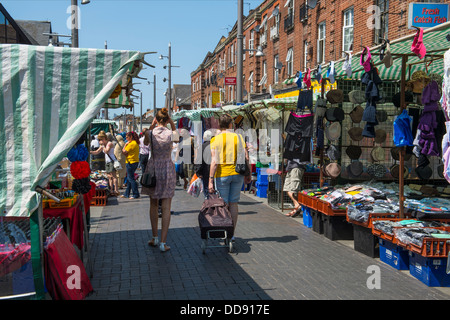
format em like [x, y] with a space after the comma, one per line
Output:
[293, 180]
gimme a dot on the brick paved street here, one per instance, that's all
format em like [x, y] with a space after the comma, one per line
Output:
[275, 258]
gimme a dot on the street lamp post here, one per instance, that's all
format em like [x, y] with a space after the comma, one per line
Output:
[74, 21]
[240, 52]
[170, 66]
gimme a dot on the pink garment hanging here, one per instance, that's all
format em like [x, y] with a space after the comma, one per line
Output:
[307, 78]
[417, 46]
[366, 64]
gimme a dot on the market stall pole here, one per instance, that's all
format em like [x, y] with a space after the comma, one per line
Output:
[321, 177]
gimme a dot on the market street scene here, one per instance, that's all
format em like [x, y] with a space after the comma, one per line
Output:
[287, 150]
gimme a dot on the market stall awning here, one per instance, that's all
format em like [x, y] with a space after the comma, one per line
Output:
[48, 98]
[195, 115]
[434, 40]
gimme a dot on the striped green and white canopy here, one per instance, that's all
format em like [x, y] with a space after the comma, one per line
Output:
[48, 98]
[434, 40]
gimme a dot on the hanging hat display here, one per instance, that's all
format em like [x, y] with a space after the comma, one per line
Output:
[356, 114]
[355, 133]
[334, 114]
[395, 171]
[80, 169]
[333, 170]
[377, 154]
[366, 64]
[357, 96]
[380, 136]
[81, 186]
[424, 173]
[376, 170]
[386, 56]
[347, 65]
[395, 154]
[335, 96]
[381, 115]
[353, 152]
[333, 153]
[355, 169]
[78, 153]
[333, 131]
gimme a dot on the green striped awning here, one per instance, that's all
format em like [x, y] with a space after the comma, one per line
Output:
[48, 98]
[434, 39]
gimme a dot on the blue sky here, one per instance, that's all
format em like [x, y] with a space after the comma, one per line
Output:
[193, 27]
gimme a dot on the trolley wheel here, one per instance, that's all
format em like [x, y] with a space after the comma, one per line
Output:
[230, 245]
[203, 246]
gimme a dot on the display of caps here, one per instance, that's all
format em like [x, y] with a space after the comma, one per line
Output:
[377, 154]
[356, 114]
[353, 152]
[333, 131]
[335, 96]
[380, 136]
[355, 133]
[376, 170]
[357, 96]
[334, 114]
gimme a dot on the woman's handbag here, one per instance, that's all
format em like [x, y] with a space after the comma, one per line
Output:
[242, 166]
[148, 178]
[117, 165]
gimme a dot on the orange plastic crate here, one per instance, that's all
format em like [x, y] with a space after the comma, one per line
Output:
[65, 203]
[383, 235]
[325, 208]
[368, 223]
[99, 193]
[98, 201]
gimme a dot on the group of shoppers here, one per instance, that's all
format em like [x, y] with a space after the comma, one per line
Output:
[153, 151]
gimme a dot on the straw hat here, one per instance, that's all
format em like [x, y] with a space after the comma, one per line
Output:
[101, 135]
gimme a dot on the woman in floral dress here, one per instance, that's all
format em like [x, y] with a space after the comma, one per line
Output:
[160, 160]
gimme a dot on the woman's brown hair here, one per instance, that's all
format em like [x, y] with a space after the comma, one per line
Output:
[224, 121]
[162, 116]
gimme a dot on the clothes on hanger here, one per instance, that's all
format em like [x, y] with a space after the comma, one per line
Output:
[299, 132]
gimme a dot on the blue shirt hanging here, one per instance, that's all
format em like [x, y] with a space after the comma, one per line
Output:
[402, 130]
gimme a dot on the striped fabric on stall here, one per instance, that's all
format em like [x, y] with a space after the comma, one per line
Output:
[49, 97]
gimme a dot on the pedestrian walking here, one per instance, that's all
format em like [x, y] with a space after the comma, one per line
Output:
[202, 170]
[107, 147]
[293, 184]
[122, 173]
[143, 152]
[225, 148]
[160, 141]
[131, 150]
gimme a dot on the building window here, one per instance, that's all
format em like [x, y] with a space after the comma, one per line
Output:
[251, 42]
[290, 62]
[347, 30]
[264, 78]
[276, 73]
[251, 82]
[305, 54]
[382, 33]
[321, 43]
[243, 48]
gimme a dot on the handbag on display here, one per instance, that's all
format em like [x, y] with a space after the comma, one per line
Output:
[148, 178]
[242, 168]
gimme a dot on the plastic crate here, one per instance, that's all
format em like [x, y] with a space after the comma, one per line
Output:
[364, 241]
[325, 208]
[65, 203]
[337, 228]
[317, 222]
[99, 193]
[394, 255]
[261, 191]
[431, 271]
[307, 218]
[99, 201]
[432, 247]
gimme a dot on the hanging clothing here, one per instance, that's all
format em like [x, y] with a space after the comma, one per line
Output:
[402, 130]
[305, 100]
[418, 46]
[299, 130]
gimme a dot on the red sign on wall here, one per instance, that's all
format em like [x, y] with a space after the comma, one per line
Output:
[230, 81]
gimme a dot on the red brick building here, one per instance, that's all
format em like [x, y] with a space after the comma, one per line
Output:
[294, 35]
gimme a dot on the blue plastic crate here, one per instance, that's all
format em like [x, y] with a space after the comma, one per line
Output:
[307, 218]
[393, 255]
[431, 271]
[261, 192]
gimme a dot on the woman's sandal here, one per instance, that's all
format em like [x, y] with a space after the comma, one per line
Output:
[163, 247]
[154, 242]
